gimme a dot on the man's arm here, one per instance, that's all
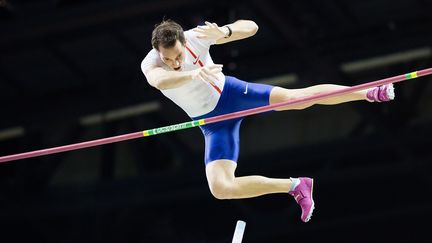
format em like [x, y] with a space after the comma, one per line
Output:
[163, 79]
[238, 30]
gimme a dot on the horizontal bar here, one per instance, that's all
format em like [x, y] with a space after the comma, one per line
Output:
[190, 124]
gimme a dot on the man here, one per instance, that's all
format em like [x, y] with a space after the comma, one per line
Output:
[180, 66]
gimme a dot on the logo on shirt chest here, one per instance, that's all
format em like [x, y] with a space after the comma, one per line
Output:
[196, 60]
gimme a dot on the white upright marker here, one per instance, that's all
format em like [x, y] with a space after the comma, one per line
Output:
[239, 230]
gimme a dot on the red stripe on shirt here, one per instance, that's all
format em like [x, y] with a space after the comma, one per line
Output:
[201, 65]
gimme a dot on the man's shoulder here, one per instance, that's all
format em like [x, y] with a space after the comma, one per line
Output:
[152, 56]
[151, 60]
[190, 36]
[152, 53]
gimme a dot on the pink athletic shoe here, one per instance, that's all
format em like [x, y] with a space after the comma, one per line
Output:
[303, 195]
[381, 94]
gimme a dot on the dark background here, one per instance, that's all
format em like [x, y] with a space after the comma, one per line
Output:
[70, 72]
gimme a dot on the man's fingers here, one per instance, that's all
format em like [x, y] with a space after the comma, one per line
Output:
[213, 25]
[215, 67]
[215, 70]
[199, 30]
[202, 32]
[210, 25]
[202, 27]
[201, 77]
[210, 74]
[206, 78]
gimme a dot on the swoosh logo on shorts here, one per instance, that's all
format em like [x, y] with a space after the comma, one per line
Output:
[246, 89]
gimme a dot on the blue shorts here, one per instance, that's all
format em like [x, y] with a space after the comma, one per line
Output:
[222, 138]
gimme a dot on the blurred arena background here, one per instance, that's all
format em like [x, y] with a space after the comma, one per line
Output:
[70, 72]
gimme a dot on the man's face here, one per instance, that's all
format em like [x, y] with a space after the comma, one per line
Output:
[174, 56]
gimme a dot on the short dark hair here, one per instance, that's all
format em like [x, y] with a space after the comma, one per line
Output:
[166, 34]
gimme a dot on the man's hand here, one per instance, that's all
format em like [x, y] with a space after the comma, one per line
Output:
[211, 31]
[208, 73]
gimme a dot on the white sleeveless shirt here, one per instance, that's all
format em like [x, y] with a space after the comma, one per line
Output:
[196, 97]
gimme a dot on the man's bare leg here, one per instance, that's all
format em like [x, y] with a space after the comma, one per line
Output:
[279, 94]
[225, 185]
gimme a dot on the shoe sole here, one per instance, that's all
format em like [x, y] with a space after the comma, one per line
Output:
[313, 204]
[390, 92]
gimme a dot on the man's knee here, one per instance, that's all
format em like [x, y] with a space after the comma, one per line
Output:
[284, 95]
[221, 189]
[220, 177]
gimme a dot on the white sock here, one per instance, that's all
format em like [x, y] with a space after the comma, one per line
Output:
[295, 183]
